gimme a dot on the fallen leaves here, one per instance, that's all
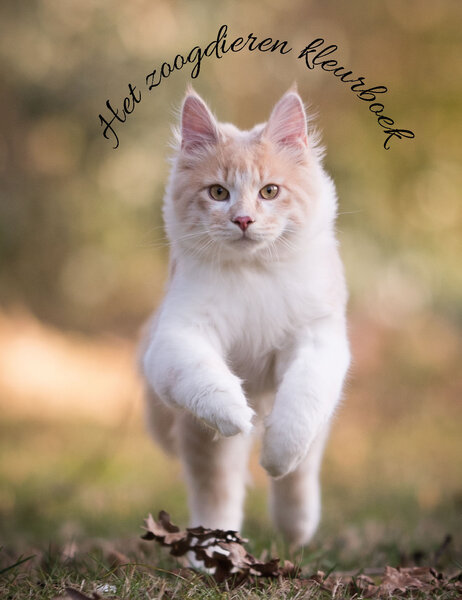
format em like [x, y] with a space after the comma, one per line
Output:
[222, 554]
[402, 582]
[224, 564]
[217, 552]
[73, 594]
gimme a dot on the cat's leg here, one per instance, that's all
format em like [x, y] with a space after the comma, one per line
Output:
[160, 421]
[215, 469]
[184, 365]
[295, 500]
[310, 372]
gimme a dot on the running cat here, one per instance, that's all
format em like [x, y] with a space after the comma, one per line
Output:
[251, 333]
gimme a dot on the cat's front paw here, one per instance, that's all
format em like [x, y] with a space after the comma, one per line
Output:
[283, 449]
[228, 414]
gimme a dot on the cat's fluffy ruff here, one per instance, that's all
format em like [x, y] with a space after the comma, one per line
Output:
[247, 313]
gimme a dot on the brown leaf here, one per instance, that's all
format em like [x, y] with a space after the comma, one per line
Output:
[117, 559]
[362, 585]
[164, 520]
[162, 530]
[74, 594]
[404, 579]
[220, 552]
[223, 555]
[368, 590]
[289, 570]
[325, 583]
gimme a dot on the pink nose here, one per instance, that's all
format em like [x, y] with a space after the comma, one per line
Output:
[243, 222]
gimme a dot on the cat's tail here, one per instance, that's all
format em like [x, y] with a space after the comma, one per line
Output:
[160, 421]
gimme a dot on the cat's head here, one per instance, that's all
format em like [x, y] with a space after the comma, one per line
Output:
[237, 194]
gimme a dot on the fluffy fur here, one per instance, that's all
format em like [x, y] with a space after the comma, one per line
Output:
[252, 327]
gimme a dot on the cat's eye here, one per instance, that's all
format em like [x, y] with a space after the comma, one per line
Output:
[218, 192]
[269, 192]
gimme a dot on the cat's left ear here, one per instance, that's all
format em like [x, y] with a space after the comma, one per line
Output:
[287, 125]
[198, 126]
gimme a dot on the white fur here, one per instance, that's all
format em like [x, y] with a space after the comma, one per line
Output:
[236, 325]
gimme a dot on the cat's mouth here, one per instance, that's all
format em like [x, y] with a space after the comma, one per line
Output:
[245, 239]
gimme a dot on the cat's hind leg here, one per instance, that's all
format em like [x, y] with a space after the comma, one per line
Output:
[295, 500]
[160, 421]
[215, 469]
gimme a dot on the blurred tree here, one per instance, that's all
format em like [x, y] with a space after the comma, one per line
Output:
[81, 242]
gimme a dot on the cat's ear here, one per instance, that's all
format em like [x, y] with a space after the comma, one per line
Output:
[287, 125]
[198, 126]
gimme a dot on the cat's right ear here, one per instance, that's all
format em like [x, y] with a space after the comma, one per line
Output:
[198, 126]
[287, 125]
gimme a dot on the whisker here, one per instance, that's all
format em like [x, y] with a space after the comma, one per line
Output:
[192, 234]
[200, 249]
[166, 242]
[351, 212]
[157, 244]
[155, 228]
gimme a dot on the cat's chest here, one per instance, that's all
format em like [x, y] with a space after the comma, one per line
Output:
[256, 317]
[249, 314]
[254, 312]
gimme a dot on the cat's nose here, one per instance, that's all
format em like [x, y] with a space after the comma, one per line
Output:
[243, 222]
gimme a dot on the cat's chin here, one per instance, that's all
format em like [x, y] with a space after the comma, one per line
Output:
[246, 244]
[246, 241]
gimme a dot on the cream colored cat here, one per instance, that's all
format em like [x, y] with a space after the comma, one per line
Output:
[254, 310]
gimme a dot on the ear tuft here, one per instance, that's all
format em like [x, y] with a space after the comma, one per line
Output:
[287, 124]
[198, 126]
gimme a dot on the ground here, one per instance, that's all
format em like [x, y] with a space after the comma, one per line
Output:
[75, 485]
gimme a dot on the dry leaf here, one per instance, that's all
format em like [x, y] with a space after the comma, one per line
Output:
[402, 582]
[74, 594]
[404, 579]
[221, 553]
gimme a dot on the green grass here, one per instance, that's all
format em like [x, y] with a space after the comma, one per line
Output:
[147, 573]
[72, 494]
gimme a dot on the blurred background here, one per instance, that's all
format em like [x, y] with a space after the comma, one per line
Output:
[83, 257]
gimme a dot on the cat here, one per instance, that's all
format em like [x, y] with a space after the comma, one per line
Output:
[252, 330]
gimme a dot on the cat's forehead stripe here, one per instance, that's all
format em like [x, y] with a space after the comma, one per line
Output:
[242, 176]
[222, 174]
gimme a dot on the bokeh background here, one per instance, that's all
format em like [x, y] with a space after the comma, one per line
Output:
[83, 258]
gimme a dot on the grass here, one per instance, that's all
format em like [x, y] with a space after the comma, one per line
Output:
[145, 573]
[74, 497]
[74, 490]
